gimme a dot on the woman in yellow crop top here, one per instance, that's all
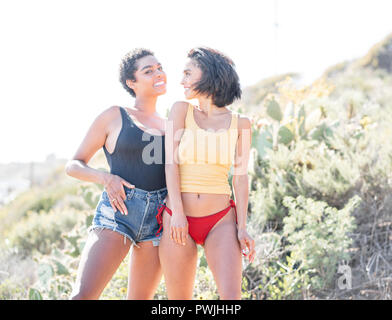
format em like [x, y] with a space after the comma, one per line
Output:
[202, 143]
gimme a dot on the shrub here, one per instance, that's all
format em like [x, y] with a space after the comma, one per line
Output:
[40, 231]
[318, 237]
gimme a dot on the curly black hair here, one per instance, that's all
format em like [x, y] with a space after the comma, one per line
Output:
[128, 66]
[219, 78]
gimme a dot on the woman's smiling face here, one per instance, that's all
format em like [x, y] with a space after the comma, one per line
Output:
[150, 77]
[192, 75]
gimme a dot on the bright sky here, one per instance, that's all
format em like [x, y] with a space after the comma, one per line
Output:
[59, 59]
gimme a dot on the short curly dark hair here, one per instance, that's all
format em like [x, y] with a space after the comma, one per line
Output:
[219, 78]
[128, 66]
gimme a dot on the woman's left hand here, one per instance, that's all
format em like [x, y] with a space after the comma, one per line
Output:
[247, 244]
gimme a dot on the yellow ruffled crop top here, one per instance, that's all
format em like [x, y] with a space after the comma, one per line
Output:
[206, 156]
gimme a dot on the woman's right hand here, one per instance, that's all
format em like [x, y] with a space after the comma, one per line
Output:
[179, 228]
[114, 186]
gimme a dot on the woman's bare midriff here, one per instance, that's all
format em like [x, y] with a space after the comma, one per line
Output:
[202, 204]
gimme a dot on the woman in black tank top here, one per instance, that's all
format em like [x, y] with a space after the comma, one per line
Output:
[133, 143]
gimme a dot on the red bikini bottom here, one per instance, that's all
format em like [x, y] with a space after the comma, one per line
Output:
[198, 227]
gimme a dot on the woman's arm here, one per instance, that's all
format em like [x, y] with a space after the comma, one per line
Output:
[175, 128]
[94, 140]
[241, 184]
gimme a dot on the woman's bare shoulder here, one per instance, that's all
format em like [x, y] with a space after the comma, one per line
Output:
[112, 111]
[243, 122]
[106, 119]
[109, 114]
[179, 109]
[180, 105]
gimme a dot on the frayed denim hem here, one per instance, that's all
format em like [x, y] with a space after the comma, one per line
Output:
[122, 233]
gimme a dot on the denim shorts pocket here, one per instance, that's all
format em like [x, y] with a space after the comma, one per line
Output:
[105, 196]
[129, 193]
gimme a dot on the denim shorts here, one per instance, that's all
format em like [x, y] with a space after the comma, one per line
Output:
[140, 224]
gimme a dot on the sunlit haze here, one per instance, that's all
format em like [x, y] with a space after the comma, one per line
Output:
[59, 60]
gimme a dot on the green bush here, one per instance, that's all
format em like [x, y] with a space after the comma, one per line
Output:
[56, 270]
[11, 290]
[318, 237]
[40, 231]
[293, 181]
[303, 257]
[38, 199]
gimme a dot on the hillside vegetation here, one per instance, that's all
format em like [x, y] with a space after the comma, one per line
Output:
[320, 204]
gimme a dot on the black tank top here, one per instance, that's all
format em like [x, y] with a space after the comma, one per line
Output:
[138, 156]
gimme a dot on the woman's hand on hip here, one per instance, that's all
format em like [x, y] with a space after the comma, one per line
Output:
[114, 186]
[247, 244]
[179, 228]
